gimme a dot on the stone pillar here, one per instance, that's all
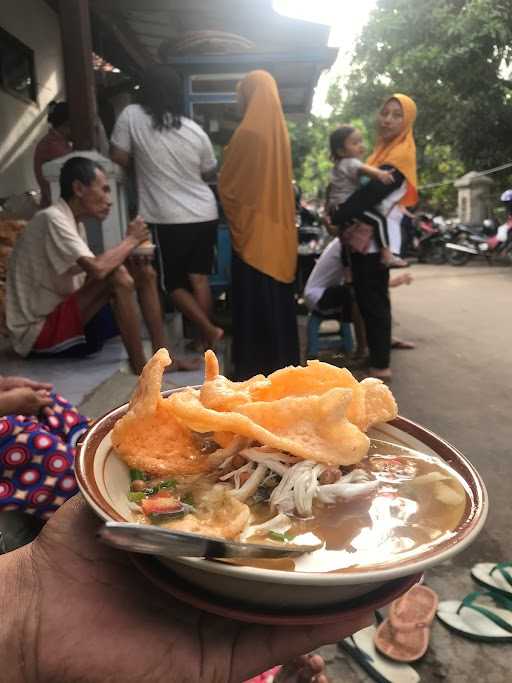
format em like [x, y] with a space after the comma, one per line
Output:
[474, 198]
[104, 235]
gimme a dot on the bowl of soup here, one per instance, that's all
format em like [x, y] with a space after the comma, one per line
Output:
[411, 502]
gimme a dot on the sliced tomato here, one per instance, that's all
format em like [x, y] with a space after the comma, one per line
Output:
[161, 503]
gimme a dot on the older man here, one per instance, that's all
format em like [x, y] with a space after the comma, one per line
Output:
[56, 286]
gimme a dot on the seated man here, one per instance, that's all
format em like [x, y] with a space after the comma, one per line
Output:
[56, 287]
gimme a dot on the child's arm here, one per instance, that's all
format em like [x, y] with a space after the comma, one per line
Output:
[385, 177]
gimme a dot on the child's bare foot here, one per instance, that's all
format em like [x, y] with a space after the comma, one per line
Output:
[305, 669]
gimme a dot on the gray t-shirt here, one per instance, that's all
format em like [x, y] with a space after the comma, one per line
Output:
[168, 165]
[344, 180]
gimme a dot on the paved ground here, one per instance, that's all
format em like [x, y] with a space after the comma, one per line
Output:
[458, 383]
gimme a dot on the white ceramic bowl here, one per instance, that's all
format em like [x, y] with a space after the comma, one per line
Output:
[104, 481]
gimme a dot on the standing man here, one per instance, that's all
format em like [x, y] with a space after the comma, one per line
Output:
[56, 286]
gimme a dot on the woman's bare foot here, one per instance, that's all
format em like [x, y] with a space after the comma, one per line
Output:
[401, 344]
[184, 365]
[215, 336]
[381, 373]
[305, 669]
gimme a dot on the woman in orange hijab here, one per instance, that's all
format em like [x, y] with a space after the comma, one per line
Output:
[255, 187]
[395, 151]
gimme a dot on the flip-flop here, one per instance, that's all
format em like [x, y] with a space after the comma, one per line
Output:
[399, 344]
[360, 646]
[405, 634]
[494, 576]
[482, 622]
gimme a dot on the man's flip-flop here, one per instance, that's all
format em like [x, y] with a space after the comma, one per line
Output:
[399, 344]
[405, 634]
[361, 648]
[494, 576]
[479, 621]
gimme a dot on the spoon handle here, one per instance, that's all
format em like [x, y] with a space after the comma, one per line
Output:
[152, 540]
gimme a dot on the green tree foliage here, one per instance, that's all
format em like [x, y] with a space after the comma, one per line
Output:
[454, 57]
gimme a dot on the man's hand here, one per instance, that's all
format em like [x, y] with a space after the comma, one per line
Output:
[24, 401]
[138, 230]
[7, 383]
[82, 612]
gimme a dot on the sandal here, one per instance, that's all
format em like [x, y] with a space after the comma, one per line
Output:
[494, 576]
[405, 634]
[360, 646]
[482, 622]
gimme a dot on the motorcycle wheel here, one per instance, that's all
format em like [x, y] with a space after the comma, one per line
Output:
[458, 258]
[435, 254]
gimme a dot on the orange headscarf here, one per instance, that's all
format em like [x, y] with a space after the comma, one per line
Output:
[255, 183]
[401, 151]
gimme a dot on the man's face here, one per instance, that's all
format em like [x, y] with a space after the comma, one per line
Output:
[94, 198]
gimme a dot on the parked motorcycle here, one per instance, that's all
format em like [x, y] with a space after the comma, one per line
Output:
[312, 237]
[429, 243]
[489, 240]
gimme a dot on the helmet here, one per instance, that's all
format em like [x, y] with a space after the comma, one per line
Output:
[506, 196]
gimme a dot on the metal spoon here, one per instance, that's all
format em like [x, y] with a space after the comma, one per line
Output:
[153, 540]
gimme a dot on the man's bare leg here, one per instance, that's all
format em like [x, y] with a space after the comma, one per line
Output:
[92, 297]
[118, 288]
[202, 292]
[203, 295]
[127, 318]
[188, 305]
[145, 279]
[144, 276]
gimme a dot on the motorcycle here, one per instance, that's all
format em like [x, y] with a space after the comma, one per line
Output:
[490, 240]
[312, 240]
[430, 241]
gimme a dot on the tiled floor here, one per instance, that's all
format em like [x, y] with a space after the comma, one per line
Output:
[76, 378]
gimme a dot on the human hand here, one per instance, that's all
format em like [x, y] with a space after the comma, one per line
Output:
[385, 177]
[82, 612]
[24, 401]
[138, 229]
[7, 383]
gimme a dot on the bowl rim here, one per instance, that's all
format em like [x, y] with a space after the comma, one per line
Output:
[464, 534]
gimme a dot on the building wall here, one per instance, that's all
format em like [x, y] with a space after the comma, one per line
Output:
[34, 23]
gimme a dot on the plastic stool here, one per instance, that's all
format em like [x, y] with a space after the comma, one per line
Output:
[342, 342]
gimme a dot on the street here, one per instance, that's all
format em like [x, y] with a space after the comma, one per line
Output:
[457, 382]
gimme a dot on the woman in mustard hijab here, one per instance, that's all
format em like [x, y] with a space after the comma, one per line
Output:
[395, 151]
[255, 187]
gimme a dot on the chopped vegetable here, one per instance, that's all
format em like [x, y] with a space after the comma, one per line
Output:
[167, 484]
[136, 496]
[188, 499]
[276, 536]
[162, 502]
[137, 474]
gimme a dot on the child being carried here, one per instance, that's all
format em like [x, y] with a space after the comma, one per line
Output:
[347, 149]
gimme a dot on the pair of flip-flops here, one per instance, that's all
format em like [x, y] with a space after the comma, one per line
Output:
[483, 615]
